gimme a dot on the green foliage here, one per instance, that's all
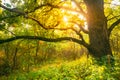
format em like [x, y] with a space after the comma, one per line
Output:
[75, 70]
[25, 55]
[5, 69]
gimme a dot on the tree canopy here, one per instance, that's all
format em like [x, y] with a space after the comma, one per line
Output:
[57, 20]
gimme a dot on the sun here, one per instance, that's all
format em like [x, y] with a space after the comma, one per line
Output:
[65, 19]
[73, 15]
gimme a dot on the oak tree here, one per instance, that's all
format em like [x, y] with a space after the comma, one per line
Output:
[96, 18]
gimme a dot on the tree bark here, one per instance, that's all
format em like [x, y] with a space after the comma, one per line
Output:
[98, 32]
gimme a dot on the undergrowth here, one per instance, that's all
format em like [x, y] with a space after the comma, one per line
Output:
[80, 69]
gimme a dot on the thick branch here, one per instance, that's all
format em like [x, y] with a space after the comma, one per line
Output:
[82, 42]
[113, 26]
[44, 39]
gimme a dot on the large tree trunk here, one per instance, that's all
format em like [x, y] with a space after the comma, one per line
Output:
[97, 25]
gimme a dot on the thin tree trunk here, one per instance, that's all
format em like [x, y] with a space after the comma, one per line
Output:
[15, 58]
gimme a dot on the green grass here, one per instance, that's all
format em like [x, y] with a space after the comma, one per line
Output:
[80, 69]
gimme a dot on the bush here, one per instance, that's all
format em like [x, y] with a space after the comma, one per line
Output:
[5, 69]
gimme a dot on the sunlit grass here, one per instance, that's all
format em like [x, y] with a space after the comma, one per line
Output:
[79, 69]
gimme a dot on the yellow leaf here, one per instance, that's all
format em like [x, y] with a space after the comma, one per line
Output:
[1, 10]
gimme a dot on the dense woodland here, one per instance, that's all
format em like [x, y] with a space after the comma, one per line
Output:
[59, 39]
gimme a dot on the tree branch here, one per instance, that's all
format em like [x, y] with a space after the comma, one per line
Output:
[9, 31]
[82, 42]
[56, 6]
[81, 27]
[70, 28]
[44, 39]
[80, 8]
[13, 10]
[22, 13]
[12, 16]
[54, 27]
[113, 26]
[29, 17]
[113, 17]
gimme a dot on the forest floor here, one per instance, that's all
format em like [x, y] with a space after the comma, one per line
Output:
[79, 69]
